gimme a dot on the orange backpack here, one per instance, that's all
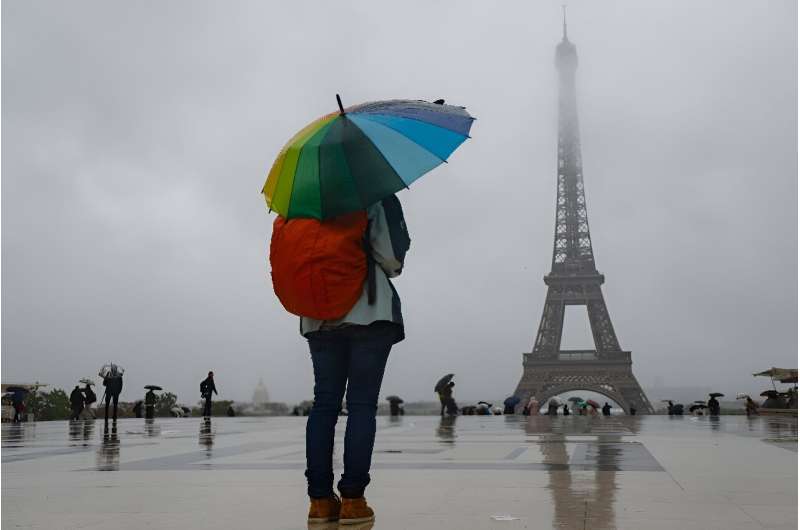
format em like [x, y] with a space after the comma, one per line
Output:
[319, 267]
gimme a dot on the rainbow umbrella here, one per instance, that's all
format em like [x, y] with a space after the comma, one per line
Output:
[347, 160]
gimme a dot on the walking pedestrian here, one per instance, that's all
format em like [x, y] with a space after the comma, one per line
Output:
[150, 400]
[207, 386]
[606, 409]
[112, 380]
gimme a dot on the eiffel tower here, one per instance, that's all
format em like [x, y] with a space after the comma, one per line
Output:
[574, 280]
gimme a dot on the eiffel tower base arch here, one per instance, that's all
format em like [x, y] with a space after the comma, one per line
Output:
[613, 379]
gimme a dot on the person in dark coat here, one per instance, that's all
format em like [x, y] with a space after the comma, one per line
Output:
[445, 396]
[18, 401]
[150, 400]
[113, 390]
[633, 411]
[566, 410]
[76, 402]
[137, 408]
[207, 387]
[89, 397]
[713, 407]
[606, 409]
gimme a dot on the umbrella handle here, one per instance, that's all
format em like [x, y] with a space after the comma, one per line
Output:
[339, 101]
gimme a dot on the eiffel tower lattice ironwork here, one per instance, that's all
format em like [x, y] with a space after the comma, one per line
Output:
[574, 280]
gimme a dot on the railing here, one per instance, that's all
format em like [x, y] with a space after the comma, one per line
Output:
[580, 355]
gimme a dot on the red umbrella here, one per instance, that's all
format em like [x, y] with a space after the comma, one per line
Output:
[593, 403]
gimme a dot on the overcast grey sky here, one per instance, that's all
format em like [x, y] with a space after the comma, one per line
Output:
[137, 136]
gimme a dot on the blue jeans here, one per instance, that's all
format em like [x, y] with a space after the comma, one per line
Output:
[353, 357]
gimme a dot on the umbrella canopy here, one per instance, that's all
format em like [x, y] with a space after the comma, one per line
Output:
[511, 401]
[348, 160]
[696, 407]
[575, 399]
[716, 395]
[443, 382]
[593, 403]
[554, 401]
[770, 393]
[86, 381]
[16, 389]
[111, 370]
[394, 399]
[742, 396]
[784, 375]
[700, 402]
[152, 387]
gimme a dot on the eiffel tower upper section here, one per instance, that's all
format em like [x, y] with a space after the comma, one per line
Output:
[572, 245]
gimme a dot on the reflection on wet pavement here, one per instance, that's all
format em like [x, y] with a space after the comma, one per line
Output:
[108, 452]
[206, 438]
[643, 472]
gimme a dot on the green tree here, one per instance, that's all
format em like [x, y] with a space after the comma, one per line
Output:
[165, 402]
[53, 405]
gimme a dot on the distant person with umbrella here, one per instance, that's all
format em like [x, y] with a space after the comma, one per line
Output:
[76, 402]
[112, 380]
[713, 404]
[510, 404]
[18, 395]
[150, 401]
[137, 408]
[445, 390]
[552, 407]
[395, 403]
[207, 386]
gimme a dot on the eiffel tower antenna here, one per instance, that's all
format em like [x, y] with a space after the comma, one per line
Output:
[564, 10]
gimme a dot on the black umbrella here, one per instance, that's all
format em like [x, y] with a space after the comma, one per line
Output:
[485, 403]
[769, 393]
[17, 389]
[695, 407]
[442, 382]
[716, 395]
[152, 387]
[512, 401]
[394, 399]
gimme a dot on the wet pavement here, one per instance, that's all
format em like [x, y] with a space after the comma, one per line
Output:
[470, 472]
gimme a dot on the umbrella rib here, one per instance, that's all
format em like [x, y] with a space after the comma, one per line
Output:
[394, 170]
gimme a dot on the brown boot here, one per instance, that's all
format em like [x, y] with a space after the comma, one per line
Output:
[355, 511]
[324, 510]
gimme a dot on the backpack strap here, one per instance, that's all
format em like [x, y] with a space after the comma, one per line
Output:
[371, 287]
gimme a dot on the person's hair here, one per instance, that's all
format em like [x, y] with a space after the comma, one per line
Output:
[210, 373]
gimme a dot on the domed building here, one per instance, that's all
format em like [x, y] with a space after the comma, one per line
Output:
[260, 394]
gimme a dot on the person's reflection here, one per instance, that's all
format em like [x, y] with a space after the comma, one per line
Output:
[16, 434]
[206, 435]
[151, 428]
[108, 454]
[446, 431]
[88, 431]
[75, 430]
[714, 421]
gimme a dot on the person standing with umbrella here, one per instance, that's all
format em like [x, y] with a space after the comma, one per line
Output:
[112, 380]
[206, 388]
[333, 186]
[713, 404]
[150, 400]
[394, 405]
[510, 404]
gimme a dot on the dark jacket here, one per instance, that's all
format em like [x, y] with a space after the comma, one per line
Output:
[207, 387]
[113, 385]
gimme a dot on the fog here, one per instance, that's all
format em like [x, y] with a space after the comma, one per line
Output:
[137, 136]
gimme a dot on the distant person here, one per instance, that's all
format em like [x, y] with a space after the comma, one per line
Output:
[206, 388]
[150, 400]
[606, 409]
[137, 408]
[565, 410]
[445, 396]
[112, 380]
[713, 406]
[750, 407]
[231, 413]
[532, 407]
[89, 398]
[552, 408]
[76, 402]
[633, 411]
[18, 401]
[670, 407]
